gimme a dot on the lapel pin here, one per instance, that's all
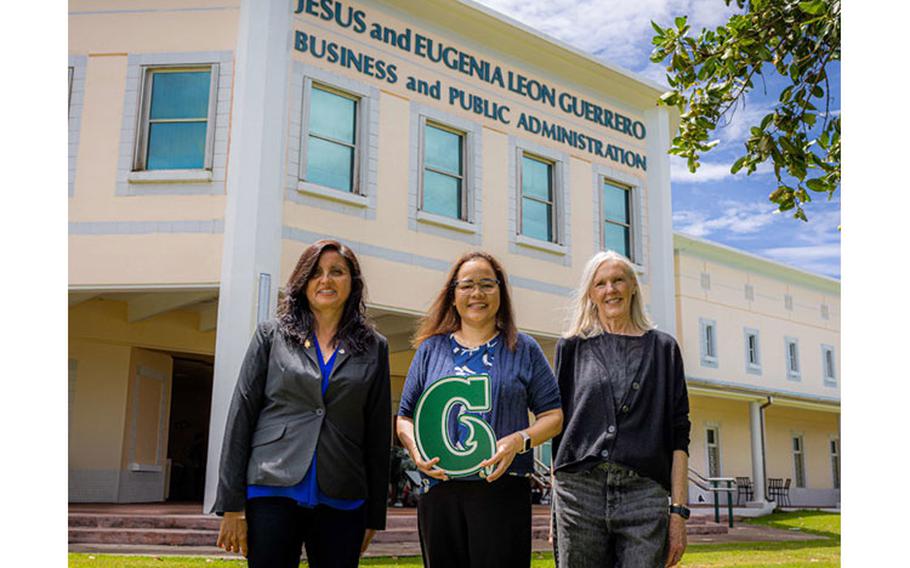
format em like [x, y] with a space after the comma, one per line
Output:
[306, 343]
[341, 351]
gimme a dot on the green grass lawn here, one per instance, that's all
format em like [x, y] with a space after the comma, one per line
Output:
[823, 552]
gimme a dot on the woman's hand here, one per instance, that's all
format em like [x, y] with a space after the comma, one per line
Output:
[678, 540]
[232, 534]
[506, 449]
[367, 537]
[429, 467]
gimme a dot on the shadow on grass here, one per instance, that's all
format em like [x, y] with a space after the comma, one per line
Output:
[818, 523]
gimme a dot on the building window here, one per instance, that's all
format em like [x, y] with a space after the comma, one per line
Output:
[750, 292]
[824, 311]
[792, 356]
[788, 302]
[616, 200]
[331, 141]
[753, 354]
[175, 123]
[712, 446]
[443, 183]
[537, 203]
[708, 341]
[799, 462]
[835, 462]
[705, 281]
[828, 371]
[69, 88]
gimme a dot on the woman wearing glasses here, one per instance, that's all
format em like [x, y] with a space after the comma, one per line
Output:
[469, 330]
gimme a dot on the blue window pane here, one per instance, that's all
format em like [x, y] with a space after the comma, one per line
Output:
[442, 150]
[616, 203]
[535, 220]
[180, 95]
[332, 116]
[616, 237]
[176, 145]
[441, 194]
[330, 164]
[535, 178]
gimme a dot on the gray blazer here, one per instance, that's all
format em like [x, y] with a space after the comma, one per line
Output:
[278, 419]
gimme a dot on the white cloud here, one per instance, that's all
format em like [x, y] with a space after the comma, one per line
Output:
[737, 218]
[823, 259]
[619, 32]
[709, 171]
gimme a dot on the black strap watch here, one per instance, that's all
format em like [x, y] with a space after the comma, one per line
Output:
[680, 510]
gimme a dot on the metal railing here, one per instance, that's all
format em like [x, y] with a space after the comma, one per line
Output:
[716, 486]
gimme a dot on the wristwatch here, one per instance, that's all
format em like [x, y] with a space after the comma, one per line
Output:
[680, 510]
[526, 442]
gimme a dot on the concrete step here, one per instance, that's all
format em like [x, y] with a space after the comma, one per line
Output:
[167, 537]
[94, 520]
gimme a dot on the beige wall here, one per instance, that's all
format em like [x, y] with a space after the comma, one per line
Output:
[726, 304]
[110, 398]
[731, 418]
[817, 429]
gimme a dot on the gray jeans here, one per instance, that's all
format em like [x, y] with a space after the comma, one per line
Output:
[610, 516]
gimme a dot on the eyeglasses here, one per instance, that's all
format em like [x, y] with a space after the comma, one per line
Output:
[486, 285]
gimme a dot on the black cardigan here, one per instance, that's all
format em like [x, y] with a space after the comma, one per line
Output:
[643, 432]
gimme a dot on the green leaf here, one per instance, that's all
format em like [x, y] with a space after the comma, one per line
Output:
[813, 7]
[817, 184]
[738, 165]
[680, 22]
[657, 28]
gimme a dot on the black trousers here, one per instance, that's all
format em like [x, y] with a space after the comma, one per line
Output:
[277, 529]
[476, 524]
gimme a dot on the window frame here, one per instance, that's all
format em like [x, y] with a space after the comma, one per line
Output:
[794, 373]
[709, 355]
[829, 380]
[834, 459]
[630, 207]
[752, 368]
[711, 427]
[359, 138]
[467, 188]
[140, 147]
[799, 455]
[553, 190]
[749, 292]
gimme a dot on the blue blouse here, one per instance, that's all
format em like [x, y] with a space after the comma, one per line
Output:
[307, 492]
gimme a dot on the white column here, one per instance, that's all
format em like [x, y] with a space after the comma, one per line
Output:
[758, 456]
[252, 225]
[660, 221]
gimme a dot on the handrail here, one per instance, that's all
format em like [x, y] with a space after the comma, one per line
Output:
[716, 486]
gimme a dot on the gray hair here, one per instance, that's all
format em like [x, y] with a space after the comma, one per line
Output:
[583, 321]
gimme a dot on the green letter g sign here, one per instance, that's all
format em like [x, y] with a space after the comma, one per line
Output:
[431, 420]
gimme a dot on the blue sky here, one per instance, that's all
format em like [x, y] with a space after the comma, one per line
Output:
[711, 204]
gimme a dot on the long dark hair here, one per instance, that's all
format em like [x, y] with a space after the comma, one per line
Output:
[295, 318]
[442, 317]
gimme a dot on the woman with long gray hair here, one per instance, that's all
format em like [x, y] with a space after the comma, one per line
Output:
[621, 462]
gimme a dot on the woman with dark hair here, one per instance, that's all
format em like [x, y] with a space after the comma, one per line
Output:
[621, 464]
[470, 330]
[305, 458]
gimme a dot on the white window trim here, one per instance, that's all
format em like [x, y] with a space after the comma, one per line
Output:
[358, 179]
[558, 252]
[77, 65]
[792, 374]
[602, 174]
[175, 182]
[720, 467]
[142, 125]
[829, 380]
[707, 360]
[632, 198]
[802, 452]
[555, 174]
[749, 292]
[835, 438]
[464, 223]
[752, 368]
